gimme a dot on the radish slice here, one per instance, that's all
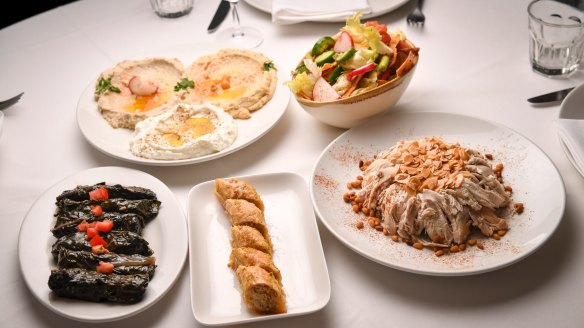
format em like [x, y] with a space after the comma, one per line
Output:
[344, 43]
[323, 91]
[141, 88]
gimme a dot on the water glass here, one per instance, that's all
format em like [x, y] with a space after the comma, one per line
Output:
[172, 8]
[556, 41]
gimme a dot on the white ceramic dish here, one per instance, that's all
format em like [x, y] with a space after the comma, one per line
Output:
[378, 7]
[533, 177]
[115, 142]
[166, 234]
[215, 295]
[571, 109]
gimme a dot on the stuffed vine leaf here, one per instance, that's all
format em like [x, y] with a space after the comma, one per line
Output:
[115, 191]
[93, 286]
[121, 242]
[123, 264]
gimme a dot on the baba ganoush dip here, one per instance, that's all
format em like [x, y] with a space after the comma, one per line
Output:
[185, 131]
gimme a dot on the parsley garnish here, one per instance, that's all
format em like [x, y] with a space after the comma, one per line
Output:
[104, 85]
[269, 65]
[184, 84]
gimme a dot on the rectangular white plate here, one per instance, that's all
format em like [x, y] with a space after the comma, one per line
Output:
[215, 293]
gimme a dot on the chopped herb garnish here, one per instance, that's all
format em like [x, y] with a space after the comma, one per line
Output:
[269, 65]
[104, 85]
[184, 84]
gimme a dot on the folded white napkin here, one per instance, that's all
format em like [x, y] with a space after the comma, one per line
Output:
[296, 11]
[571, 131]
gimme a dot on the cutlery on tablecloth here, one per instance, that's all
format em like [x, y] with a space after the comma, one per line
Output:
[550, 97]
[416, 17]
[11, 101]
[219, 16]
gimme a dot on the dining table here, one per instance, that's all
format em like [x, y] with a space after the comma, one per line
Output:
[473, 61]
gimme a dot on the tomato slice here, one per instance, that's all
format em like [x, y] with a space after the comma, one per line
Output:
[96, 210]
[97, 240]
[104, 226]
[381, 28]
[99, 194]
[105, 267]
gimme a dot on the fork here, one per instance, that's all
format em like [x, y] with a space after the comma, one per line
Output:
[416, 17]
[11, 101]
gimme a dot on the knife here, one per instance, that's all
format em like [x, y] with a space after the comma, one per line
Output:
[552, 96]
[220, 15]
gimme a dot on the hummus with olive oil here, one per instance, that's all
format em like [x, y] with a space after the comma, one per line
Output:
[239, 81]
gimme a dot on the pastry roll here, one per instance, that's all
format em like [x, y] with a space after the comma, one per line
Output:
[261, 292]
[241, 212]
[237, 189]
[246, 256]
[245, 236]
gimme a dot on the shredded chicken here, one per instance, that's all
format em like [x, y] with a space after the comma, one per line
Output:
[431, 192]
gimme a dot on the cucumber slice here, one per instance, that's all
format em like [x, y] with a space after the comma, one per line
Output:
[325, 57]
[322, 45]
[383, 63]
[346, 56]
[337, 71]
[301, 69]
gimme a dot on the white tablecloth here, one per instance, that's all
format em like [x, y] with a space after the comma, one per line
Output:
[473, 60]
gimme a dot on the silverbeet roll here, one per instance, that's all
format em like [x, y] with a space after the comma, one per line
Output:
[121, 242]
[98, 287]
[115, 191]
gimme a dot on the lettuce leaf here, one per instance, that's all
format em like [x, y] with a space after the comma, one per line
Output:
[302, 83]
[365, 36]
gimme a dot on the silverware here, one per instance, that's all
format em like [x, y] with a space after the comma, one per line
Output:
[9, 102]
[550, 97]
[219, 16]
[416, 17]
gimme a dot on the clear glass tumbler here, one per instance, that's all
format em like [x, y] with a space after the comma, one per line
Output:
[172, 8]
[556, 42]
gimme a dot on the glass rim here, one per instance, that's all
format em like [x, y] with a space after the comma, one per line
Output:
[541, 21]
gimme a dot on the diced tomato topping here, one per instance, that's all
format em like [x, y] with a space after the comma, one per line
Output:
[99, 194]
[97, 240]
[91, 232]
[104, 226]
[105, 267]
[99, 249]
[96, 210]
[82, 226]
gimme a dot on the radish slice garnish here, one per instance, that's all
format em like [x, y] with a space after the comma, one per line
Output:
[323, 91]
[140, 87]
[344, 42]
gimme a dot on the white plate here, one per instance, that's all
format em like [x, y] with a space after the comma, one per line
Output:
[215, 295]
[165, 234]
[116, 142]
[378, 8]
[533, 177]
[571, 108]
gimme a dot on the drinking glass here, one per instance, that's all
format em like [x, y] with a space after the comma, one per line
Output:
[239, 36]
[556, 40]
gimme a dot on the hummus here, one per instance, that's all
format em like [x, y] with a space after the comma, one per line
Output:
[233, 79]
[137, 89]
[184, 131]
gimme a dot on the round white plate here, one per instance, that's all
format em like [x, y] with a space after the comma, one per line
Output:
[166, 234]
[571, 108]
[535, 181]
[116, 142]
[378, 8]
